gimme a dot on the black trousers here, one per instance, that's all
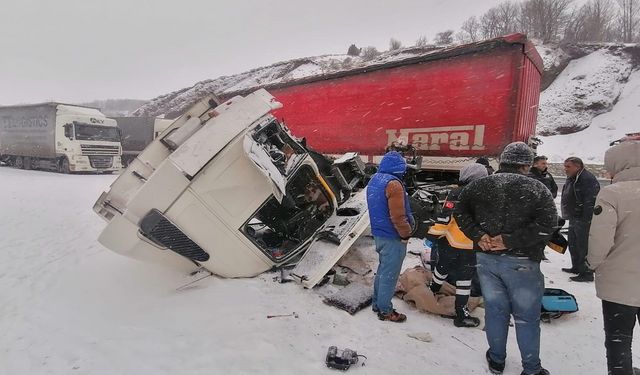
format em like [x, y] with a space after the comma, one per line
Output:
[619, 321]
[579, 244]
[460, 262]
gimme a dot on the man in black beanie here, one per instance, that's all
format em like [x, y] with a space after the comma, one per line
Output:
[510, 217]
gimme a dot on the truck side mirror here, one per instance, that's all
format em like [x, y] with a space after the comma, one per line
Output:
[68, 131]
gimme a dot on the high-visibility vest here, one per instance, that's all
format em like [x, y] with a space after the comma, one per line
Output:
[446, 226]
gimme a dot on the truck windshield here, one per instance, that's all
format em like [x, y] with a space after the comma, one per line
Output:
[88, 132]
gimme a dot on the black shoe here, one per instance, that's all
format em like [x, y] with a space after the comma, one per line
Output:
[570, 270]
[494, 367]
[582, 277]
[464, 319]
[541, 372]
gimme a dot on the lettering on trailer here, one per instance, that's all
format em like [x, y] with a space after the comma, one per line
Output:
[23, 122]
[94, 120]
[463, 137]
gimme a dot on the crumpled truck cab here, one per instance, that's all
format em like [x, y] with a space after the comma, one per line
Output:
[226, 187]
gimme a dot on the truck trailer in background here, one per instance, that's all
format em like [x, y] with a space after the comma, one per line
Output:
[137, 133]
[61, 137]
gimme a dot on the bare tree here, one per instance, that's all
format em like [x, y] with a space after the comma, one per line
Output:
[470, 30]
[394, 44]
[369, 53]
[507, 14]
[445, 37]
[422, 41]
[489, 24]
[545, 19]
[629, 19]
[593, 22]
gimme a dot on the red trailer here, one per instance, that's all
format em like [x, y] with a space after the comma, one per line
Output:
[462, 101]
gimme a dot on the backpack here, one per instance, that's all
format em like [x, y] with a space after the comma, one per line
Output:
[557, 302]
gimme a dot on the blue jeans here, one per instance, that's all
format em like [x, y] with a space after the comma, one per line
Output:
[391, 253]
[512, 286]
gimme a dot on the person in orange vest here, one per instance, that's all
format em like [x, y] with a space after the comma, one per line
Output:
[456, 250]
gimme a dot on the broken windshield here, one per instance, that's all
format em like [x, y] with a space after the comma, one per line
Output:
[87, 132]
[285, 153]
[279, 228]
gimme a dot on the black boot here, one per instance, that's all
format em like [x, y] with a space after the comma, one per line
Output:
[494, 367]
[582, 277]
[435, 287]
[541, 372]
[570, 270]
[464, 319]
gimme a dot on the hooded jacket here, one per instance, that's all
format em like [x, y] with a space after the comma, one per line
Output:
[512, 205]
[614, 238]
[388, 202]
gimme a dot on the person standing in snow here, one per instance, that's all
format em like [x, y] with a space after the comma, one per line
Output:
[455, 250]
[614, 253]
[578, 198]
[539, 172]
[510, 217]
[391, 223]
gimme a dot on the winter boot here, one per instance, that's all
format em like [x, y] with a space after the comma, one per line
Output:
[583, 277]
[494, 367]
[541, 372]
[393, 316]
[464, 319]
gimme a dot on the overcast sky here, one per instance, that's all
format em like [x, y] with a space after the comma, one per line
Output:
[80, 50]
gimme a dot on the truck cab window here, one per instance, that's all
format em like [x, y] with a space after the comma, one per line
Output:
[89, 132]
[280, 228]
[285, 152]
[68, 131]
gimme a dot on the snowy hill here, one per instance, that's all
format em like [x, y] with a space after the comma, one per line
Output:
[70, 306]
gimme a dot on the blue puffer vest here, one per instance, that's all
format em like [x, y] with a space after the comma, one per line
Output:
[392, 167]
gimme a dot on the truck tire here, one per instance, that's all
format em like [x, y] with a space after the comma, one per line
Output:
[19, 162]
[421, 218]
[63, 166]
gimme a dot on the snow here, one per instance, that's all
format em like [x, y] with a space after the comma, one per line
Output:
[587, 87]
[552, 55]
[590, 144]
[70, 306]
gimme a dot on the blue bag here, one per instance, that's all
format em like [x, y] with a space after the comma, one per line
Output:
[557, 302]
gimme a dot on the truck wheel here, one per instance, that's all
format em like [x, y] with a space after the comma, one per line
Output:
[63, 166]
[18, 163]
[27, 163]
[421, 218]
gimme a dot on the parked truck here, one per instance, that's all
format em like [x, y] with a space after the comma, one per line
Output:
[137, 133]
[60, 137]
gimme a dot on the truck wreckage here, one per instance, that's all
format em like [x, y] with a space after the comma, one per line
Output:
[228, 188]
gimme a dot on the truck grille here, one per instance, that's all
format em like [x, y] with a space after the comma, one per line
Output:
[160, 230]
[99, 150]
[101, 162]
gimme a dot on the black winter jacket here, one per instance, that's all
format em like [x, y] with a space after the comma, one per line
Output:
[579, 196]
[512, 205]
[546, 178]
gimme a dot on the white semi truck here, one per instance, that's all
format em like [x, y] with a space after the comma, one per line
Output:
[226, 187]
[61, 137]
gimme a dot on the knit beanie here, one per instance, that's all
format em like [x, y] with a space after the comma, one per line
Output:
[517, 153]
[472, 172]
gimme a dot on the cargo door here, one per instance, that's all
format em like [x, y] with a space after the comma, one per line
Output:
[333, 240]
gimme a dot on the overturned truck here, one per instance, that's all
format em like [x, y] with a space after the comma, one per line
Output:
[226, 187]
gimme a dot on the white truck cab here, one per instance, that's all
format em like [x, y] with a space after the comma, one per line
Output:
[229, 189]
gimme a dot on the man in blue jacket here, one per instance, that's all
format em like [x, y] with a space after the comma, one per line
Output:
[578, 199]
[391, 225]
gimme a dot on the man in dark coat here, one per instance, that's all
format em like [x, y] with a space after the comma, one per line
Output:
[510, 218]
[578, 199]
[539, 172]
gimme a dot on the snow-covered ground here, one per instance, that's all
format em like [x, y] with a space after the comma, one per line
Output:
[591, 143]
[70, 306]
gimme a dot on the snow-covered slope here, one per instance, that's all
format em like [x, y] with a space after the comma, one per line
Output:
[70, 306]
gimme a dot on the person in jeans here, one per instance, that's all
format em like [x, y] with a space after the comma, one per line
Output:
[391, 223]
[614, 253]
[510, 217]
[578, 198]
[455, 250]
